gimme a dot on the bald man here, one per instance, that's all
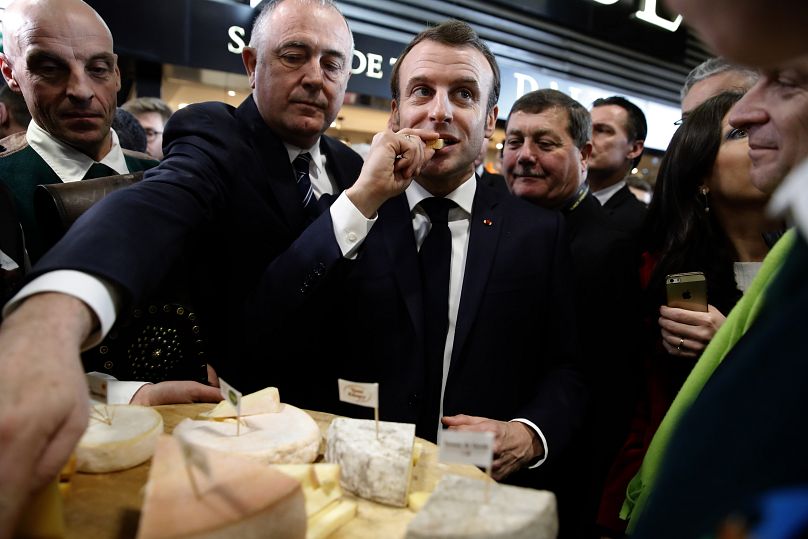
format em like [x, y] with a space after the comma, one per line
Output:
[65, 69]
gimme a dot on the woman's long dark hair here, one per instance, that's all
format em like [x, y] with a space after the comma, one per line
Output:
[678, 229]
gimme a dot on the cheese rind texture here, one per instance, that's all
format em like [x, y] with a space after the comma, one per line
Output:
[266, 401]
[374, 469]
[458, 509]
[289, 436]
[126, 441]
[239, 499]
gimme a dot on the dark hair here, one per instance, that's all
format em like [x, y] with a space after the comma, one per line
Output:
[131, 135]
[15, 104]
[454, 34]
[636, 127]
[678, 229]
[144, 105]
[579, 124]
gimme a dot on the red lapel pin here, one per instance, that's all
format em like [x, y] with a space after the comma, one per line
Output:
[488, 222]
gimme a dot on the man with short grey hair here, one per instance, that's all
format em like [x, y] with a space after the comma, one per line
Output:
[710, 78]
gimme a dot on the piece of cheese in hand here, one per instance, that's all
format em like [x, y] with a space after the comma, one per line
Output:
[117, 438]
[266, 401]
[377, 469]
[289, 436]
[239, 499]
[459, 509]
[436, 144]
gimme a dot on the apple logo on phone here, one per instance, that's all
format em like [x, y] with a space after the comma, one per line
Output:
[686, 294]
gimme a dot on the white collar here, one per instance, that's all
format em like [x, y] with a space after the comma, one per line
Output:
[463, 196]
[314, 151]
[68, 163]
[790, 200]
[606, 193]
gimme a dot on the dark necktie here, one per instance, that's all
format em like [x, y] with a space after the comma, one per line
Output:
[99, 170]
[435, 256]
[301, 165]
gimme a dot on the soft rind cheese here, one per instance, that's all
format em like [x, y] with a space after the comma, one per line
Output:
[237, 499]
[458, 508]
[377, 469]
[266, 401]
[288, 436]
[126, 440]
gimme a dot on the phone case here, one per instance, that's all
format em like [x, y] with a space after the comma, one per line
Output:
[687, 291]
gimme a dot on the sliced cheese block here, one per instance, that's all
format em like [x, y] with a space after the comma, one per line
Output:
[320, 483]
[43, 516]
[118, 437]
[239, 499]
[327, 521]
[288, 436]
[375, 469]
[459, 509]
[266, 401]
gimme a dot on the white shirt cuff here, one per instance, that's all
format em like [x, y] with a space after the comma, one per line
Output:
[100, 296]
[350, 226]
[541, 437]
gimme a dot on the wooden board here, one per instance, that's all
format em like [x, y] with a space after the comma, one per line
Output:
[107, 506]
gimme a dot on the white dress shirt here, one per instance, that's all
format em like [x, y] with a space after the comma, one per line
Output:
[605, 194]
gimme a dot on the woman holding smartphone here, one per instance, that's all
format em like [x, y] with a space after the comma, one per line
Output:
[706, 216]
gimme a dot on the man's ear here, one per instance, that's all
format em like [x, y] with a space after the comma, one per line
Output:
[250, 58]
[491, 121]
[636, 150]
[394, 121]
[8, 73]
[117, 75]
[586, 151]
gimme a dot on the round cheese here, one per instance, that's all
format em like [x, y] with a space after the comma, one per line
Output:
[118, 437]
[288, 437]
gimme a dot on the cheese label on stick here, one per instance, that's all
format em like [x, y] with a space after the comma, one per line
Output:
[366, 395]
[233, 396]
[466, 447]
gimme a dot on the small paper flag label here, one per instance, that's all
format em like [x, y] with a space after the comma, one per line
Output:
[366, 395]
[231, 395]
[466, 447]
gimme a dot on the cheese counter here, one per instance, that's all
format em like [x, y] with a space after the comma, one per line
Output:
[107, 506]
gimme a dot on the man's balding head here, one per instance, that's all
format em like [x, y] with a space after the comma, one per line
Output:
[58, 54]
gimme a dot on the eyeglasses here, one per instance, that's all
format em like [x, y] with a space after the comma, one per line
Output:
[151, 134]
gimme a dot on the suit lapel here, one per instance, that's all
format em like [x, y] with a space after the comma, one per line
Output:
[487, 220]
[278, 170]
[339, 175]
[617, 199]
[396, 223]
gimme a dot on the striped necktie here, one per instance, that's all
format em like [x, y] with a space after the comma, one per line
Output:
[301, 165]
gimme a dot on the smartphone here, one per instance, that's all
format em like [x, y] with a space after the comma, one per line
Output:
[687, 291]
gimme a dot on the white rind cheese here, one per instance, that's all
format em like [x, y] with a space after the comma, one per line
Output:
[289, 436]
[235, 498]
[458, 509]
[117, 438]
[374, 469]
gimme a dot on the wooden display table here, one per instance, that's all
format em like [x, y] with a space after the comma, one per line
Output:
[107, 506]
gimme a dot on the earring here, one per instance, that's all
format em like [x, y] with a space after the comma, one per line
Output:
[703, 190]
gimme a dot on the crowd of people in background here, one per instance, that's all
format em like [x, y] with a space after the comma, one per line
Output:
[533, 304]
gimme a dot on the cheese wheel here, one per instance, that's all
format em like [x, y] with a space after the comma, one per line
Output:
[460, 508]
[235, 498]
[118, 437]
[377, 469]
[289, 436]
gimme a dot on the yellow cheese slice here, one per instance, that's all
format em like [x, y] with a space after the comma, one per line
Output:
[43, 517]
[436, 144]
[266, 401]
[238, 498]
[330, 519]
[320, 483]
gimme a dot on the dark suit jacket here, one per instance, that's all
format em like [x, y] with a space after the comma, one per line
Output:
[225, 201]
[11, 243]
[626, 211]
[744, 435]
[514, 349]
